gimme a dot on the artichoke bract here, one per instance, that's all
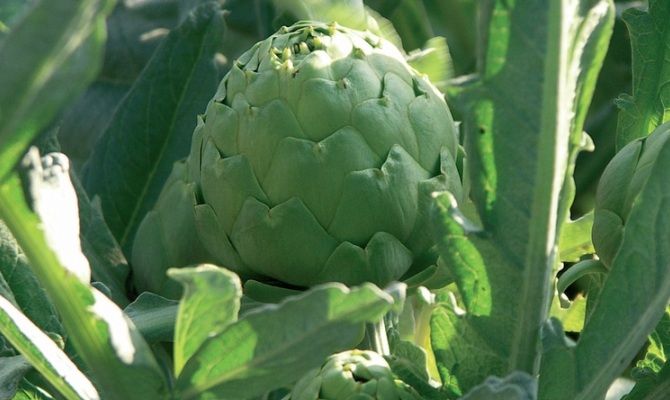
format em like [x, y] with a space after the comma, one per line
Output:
[354, 374]
[314, 162]
[619, 186]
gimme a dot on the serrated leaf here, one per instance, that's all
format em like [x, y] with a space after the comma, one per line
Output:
[575, 240]
[630, 303]
[119, 361]
[43, 354]
[65, 39]
[649, 106]
[652, 373]
[152, 127]
[518, 140]
[276, 344]
[210, 303]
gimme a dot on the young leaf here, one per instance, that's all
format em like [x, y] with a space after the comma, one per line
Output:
[649, 106]
[152, 127]
[210, 303]
[275, 345]
[154, 316]
[543, 56]
[652, 373]
[653, 387]
[44, 354]
[119, 360]
[46, 60]
[630, 303]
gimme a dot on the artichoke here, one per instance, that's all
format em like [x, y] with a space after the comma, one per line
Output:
[355, 374]
[314, 162]
[619, 186]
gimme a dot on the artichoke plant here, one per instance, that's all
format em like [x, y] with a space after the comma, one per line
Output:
[314, 162]
[619, 187]
[354, 374]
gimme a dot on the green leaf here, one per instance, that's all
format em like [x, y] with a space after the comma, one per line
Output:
[573, 316]
[108, 264]
[649, 106]
[350, 13]
[210, 303]
[275, 345]
[134, 29]
[653, 387]
[12, 370]
[43, 354]
[410, 19]
[652, 373]
[516, 386]
[522, 119]
[408, 362]
[456, 20]
[632, 300]
[154, 316]
[152, 127]
[66, 40]
[575, 240]
[28, 391]
[267, 293]
[433, 60]
[23, 286]
[118, 359]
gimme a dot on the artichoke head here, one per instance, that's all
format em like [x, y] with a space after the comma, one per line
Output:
[619, 186]
[315, 162]
[354, 374]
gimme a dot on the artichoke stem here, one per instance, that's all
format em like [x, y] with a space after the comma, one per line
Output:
[376, 338]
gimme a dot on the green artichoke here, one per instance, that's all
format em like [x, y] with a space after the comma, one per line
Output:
[355, 374]
[619, 186]
[315, 161]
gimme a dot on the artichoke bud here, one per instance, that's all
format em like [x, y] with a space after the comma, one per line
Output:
[620, 185]
[270, 206]
[354, 374]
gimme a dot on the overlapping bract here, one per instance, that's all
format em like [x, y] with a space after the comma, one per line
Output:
[620, 184]
[314, 162]
[354, 374]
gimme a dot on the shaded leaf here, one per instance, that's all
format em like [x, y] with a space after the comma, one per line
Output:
[516, 386]
[12, 370]
[65, 39]
[649, 106]
[519, 141]
[630, 303]
[152, 127]
[275, 345]
[118, 359]
[23, 286]
[43, 354]
[154, 316]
